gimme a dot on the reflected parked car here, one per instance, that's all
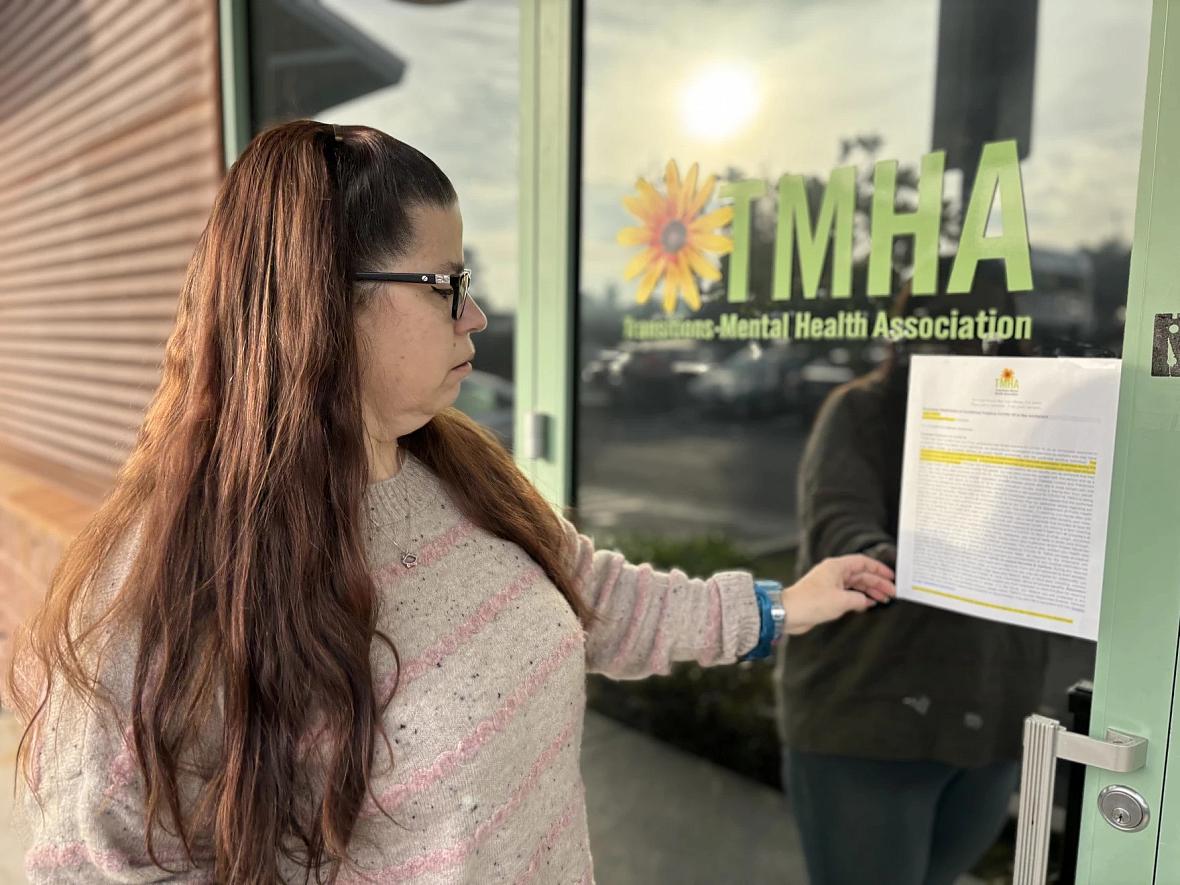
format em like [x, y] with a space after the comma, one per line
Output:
[756, 380]
[489, 400]
[821, 375]
[595, 392]
[647, 375]
[833, 367]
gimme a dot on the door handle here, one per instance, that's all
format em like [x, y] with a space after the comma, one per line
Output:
[1045, 741]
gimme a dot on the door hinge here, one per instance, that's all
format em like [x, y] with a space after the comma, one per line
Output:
[534, 443]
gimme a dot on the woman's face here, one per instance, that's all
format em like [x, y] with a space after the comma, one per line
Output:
[413, 355]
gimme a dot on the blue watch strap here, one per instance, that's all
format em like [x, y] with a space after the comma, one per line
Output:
[765, 646]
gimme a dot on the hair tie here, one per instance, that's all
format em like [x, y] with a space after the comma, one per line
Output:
[336, 132]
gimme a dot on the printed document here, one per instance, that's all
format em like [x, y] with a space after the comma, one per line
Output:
[1006, 488]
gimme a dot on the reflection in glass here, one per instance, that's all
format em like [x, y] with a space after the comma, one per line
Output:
[711, 450]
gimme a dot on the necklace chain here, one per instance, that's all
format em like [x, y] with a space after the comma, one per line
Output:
[409, 559]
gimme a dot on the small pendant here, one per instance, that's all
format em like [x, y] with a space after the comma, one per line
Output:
[409, 560]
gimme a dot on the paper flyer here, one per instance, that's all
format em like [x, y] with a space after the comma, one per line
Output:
[1006, 488]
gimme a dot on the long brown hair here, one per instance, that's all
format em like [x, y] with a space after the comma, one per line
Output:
[251, 595]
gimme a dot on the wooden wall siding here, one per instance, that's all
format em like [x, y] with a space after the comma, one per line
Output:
[110, 153]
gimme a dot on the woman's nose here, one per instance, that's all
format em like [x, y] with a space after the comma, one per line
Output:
[473, 319]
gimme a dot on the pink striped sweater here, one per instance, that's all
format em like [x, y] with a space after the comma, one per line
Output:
[486, 726]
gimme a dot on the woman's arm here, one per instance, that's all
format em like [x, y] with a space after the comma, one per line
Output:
[846, 503]
[86, 815]
[649, 619]
[86, 819]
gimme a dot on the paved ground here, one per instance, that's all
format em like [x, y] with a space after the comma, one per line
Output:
[657, 816]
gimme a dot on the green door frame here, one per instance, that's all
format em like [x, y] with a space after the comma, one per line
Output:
[1135, 673]
[545, 318]
[235, 78]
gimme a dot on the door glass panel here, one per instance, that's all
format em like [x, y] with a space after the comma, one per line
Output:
[707, 438]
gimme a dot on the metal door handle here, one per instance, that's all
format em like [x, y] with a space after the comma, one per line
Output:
[1045, 741]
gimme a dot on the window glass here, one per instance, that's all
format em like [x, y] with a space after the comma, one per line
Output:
[708, 438]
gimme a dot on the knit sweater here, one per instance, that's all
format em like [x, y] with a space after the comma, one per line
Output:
[486, 726]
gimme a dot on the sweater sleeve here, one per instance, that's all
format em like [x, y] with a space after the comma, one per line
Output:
[649, 619]
[86, 819]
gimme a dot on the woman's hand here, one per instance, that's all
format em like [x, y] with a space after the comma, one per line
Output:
[834, 588]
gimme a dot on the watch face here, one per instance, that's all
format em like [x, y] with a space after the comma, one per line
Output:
[778, 612]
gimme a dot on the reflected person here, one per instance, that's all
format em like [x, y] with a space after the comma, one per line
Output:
[901, 729]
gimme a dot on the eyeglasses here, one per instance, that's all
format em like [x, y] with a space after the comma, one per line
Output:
[458, 283]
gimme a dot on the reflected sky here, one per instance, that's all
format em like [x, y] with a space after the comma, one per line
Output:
[821, 72]
[458, 102]
[784, 81]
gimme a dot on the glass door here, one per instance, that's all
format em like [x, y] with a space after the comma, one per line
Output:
[725, 189]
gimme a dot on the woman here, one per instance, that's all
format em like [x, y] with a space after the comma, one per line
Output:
[336, 630]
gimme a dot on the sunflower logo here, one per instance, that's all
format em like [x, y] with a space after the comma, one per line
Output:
[675, 237]
[1007, 375]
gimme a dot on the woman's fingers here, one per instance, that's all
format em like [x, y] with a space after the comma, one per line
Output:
[875, 586]
[836, 587]
[857, 563]
[870, 577]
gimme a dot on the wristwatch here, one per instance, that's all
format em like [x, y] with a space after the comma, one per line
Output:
[778, 612]
[772, 618]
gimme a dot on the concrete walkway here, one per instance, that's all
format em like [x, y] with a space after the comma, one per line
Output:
[658, 815]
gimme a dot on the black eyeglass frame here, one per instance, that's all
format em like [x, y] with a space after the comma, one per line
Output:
[458, 283]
